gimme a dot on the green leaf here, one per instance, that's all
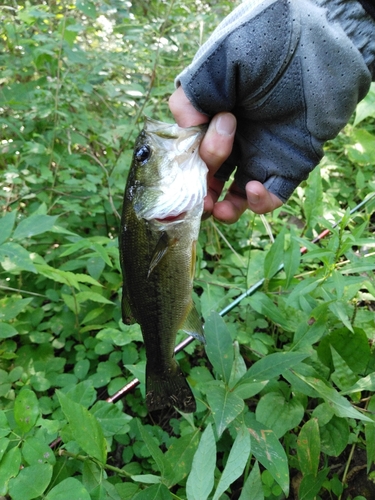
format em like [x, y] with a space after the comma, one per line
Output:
[268, 451]
[7, 331]
[275, 255]
[35, 451]
[180, 454]
[313, 202]
[219, 347]
[87, 7]
[10, 307]
[3, 446]
[363, 384]
[155, 492]
[288, 415]
[340, 405]
[253, 488]
[14, 257]
[6, 225]
[33, 225]
[94, 296]
[353, 347]
[9, 467]
[370, 436]
[201, 478]
[161, 460]
[238, 457]
[26, 409]
[31, 482]
[224, 404]
[308, 447]
[311, 485]
[334, 436]
[273, 365]
[84, 427]
[292, 258]
[262, 304]
[111, 418]
[67, 490]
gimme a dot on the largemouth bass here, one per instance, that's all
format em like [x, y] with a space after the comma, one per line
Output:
[161, 215]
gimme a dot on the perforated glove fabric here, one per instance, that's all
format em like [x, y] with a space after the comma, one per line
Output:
[292, 72]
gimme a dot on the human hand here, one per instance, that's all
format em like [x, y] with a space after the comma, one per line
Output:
[291, 76]
[214, 150]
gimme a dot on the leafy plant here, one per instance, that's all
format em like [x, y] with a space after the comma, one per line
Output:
[285, 382]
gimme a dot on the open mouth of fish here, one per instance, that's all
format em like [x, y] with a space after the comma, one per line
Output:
[173, 218]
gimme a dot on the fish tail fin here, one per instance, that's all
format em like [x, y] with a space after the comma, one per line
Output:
[170, 388]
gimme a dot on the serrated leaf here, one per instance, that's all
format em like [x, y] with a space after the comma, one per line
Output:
[308, 447]
[219, 347]
[273, 365]
[238, 457]
[253, 487]
[268, 451]
[67, 490]
[6, 225]
[84, 427]
[201, 478]
[31, 482]
[33, 225]
[225, 406]
[94, 296]
[26, 409]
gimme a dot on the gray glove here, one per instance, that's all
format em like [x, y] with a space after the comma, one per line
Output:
[292, 72]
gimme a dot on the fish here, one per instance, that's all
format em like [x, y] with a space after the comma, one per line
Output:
[160, 223]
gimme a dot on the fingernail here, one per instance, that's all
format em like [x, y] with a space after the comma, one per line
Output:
[252, 197]
[225, 124]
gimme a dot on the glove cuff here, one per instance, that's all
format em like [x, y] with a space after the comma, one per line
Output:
[357, 24]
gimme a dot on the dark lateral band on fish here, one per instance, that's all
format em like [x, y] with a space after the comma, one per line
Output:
[162, 209]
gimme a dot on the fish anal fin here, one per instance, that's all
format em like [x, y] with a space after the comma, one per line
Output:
[193, 324]
[162, 247]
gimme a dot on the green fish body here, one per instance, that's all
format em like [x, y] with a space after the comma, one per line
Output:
[161, 215]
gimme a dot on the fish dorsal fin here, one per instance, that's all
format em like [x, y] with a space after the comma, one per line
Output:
[162, 247]
[193, 325]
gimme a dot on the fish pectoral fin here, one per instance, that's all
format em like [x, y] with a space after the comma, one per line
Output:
[162, 247]
[193, 325]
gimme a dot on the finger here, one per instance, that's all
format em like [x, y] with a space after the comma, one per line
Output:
[215, 187]
[230, 209]
[259, 199]
[183, 111]
[217, 143]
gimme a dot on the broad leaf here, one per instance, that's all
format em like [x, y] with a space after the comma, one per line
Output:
[26, 409]
[224, 404]
[273, 365]
[31, 482]
[253, 487]
[219, 346]
[180, 454]
[67, 490]
[161, 460]
[85, 428]
[33, 225]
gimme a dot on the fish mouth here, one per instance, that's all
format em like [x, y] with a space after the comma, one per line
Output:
[172, 218]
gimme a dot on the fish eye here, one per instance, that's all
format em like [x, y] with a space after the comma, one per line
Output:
[142, 154]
